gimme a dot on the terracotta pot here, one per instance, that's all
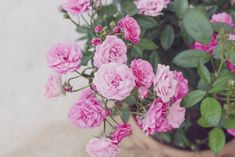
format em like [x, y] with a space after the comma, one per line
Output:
[152, 148]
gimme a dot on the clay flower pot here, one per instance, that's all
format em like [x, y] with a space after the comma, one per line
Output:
[152, 148]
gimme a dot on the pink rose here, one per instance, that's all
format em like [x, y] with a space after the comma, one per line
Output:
[114, 81]
[209, 47]
[223, 18]
[95, 41]
[143, 92]
[182, 86]
[53, 86]
[99, 28]
[112, 49]
[76, 7]
[155, 120]
[98, 147]
[116, 30]
[131, 29]
[164, 84]
[143, 72]
[88, 111]
[176, 115]
[230, 66]
[151, 7]
[121, 131]
[231, 132]
[64, 57]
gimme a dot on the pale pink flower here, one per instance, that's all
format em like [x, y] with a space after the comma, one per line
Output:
[143, 92]
[231, 132]
[164, 84]
[53, 86]
[143, 73]
[99, 28]
[95, 41]
[112, 49]
[151, 7]
[102, 147]
[131, 29]
[64, 57]
[223, 18]
[230, 66]
[176, 115]
[114, 81]
[182, 86]
[88, 111]
[121, 131]
[76, 7]
[231, 37]
[209, 47]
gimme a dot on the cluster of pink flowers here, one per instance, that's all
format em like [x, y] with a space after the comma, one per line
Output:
[151, 7]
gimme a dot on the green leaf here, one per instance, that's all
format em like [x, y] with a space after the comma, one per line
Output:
[220, 84]
[86, 57]
[211, 111]
[216, 140]
[204, 73]
[107, 10]
[181, 7]
[187, 37]
[137, 51]
[154, 59]
[198, 25]
[193, 98]
[191, 58]
[167, 37]
[217, 27]
[229, 123]
[203, 85]
[128, 7]
[232, 57]
[146, 22]
[125, 114]
[146, 44]
[203, 123]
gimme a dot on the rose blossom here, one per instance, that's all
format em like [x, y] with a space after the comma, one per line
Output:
[208, 47]
[155, 120]
[121, 131]
[95, 41]
[223, 18]
[76, 7]
[131, 29]
[151, 7]
[53, 86]
[102, 147]
[64, 57]
[114, 81]
[112, 49]
[143, 93]
[182, 86]
[231, 132]
[99, 28]
[164, 84]
[116, 30]
[230, 66]
[87, 112]
[231, 36]
[176, 114]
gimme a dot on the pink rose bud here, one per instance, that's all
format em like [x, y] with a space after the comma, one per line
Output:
[95, 41]
[121, 131]
[116, 30]
[67, 87]
[231, 132]
[99, 28]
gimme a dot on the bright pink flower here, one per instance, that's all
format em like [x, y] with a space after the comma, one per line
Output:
[176, 115]
[102, 147]
[231, 132]
[76, 7]
[95, 41]
[112, 49]
[64, 57]
[114, 81]
[121, 131]
[182, 86]
[155, 120]
[209, 47]
[164, 84]
[223, 18]
[53, 86]
[131, 29]
[88, 111]
[143, 73]
[230, 66]
[151, 7]
[99, 28]
[116, 30]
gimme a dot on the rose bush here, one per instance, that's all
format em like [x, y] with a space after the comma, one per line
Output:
[169, 64]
